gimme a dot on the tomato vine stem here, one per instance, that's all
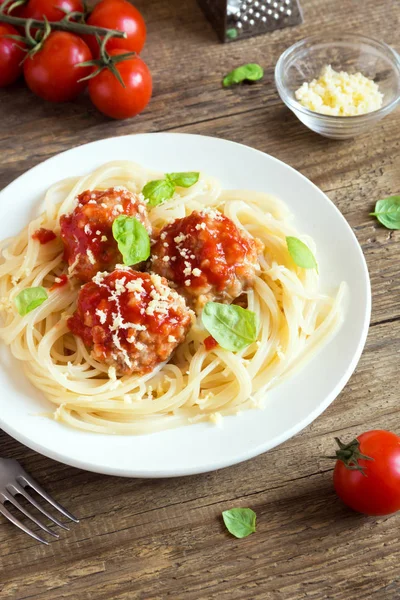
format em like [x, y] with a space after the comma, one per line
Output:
[64, 25]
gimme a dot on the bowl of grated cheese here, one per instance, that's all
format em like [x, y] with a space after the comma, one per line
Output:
[339, 86]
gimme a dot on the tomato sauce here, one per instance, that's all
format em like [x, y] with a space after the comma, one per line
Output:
[44, 236]
[63, 280]
[210, 343]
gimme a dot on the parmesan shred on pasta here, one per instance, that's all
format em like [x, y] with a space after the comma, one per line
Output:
[340, 94]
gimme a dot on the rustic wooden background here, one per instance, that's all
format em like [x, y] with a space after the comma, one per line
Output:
[141, 539]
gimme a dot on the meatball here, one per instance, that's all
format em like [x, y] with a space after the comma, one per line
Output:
[89, 245]
[130, 320]
[206, 256]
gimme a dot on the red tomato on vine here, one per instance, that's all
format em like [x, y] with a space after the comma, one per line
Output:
[53, 10]
[120, 15]
[52, 72]
[11, 55]
[121, 101]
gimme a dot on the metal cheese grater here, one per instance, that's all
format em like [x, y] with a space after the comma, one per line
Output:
[238, 19]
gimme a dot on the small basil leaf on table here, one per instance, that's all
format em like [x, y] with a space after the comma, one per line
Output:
[231, 34]
[132, 239]
[301, 254]
[185, 180]
[240, 522]
[29, 299]
[232, 326]
[249, 72]
[387, 211]
[158, 191]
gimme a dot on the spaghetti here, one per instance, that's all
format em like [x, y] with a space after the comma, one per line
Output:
[197, 383]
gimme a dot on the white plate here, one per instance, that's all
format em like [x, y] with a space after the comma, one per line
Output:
[290, 407]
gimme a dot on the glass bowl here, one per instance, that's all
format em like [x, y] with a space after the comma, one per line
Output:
[344, 52]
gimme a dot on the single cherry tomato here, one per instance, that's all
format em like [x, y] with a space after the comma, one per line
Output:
[120, 15]
[11, 55]
[53, 10]
[116, 101]
[52, 74]
[367, 473]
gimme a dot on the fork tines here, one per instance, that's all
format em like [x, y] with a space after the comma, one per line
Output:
[13, 482]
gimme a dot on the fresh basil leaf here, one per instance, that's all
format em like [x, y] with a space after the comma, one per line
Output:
[240, 522]
[232, 326]
[250, 72]
[183, 179]
[301, 254]
[132, 239]
[387, 211]
[231, 34]
[29, 299]
[158, 191]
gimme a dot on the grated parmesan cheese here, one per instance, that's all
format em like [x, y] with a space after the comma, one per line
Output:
[180, 238]
[102, 315]
[216, 418]
[211, 212]
[99, 277]
[112, 374]
[201, 226]
[340, 94]
[90, 257]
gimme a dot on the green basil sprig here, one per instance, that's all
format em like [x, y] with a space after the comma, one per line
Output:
[301, 254]
[240, 522]
[132, 239]
[186, 179]
[158, 191]
[387, 211]
[29, 299]
[249, 72]
[232, 326]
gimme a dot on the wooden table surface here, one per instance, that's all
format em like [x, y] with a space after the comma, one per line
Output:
[164, 538]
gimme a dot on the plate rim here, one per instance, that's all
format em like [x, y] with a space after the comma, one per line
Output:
[259, 448]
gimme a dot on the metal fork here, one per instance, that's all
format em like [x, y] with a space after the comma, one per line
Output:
[13, 481]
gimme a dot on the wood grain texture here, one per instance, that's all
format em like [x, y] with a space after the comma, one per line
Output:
[141, 539]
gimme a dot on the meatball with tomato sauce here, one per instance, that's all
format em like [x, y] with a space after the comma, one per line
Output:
[130, 320]
[89, 245]
[206, 256]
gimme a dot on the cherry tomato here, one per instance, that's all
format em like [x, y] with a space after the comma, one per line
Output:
[52, 74]
[370, 486]
[11, 55]
[53, 10]
[120, 15]
[118, 102]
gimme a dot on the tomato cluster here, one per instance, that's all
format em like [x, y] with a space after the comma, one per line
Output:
[56, 67]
